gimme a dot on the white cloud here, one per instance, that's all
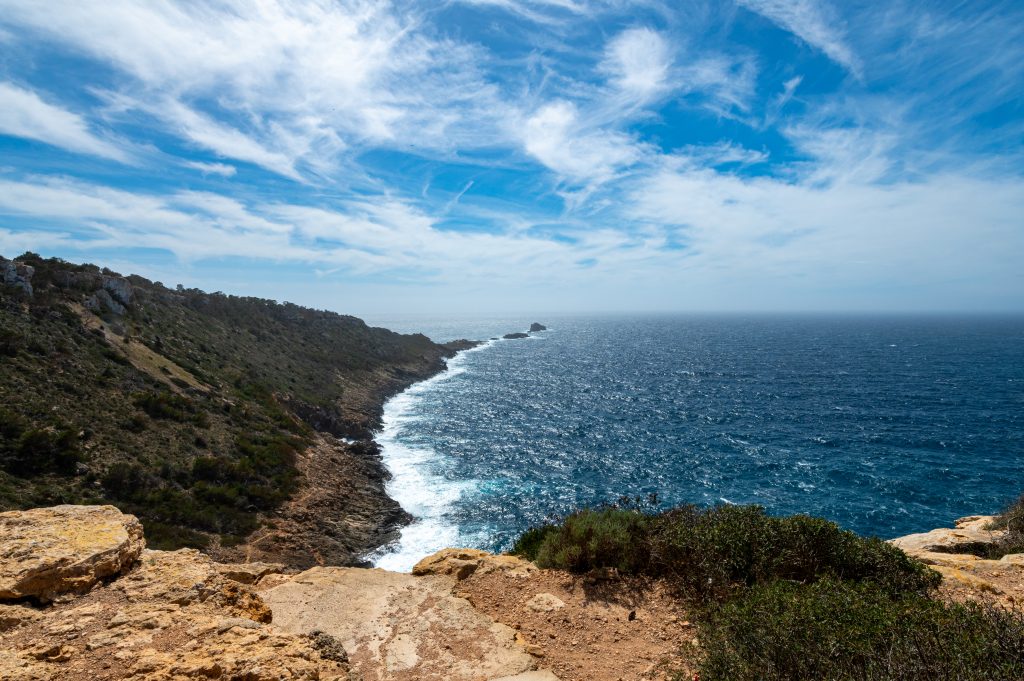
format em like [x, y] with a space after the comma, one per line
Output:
[848, 235]
[811, 22]
[638, 60]
[285, 85]
[24, 114]
[555, 136]
[222, 169]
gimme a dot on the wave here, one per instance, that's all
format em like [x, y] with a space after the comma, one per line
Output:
[416, 482]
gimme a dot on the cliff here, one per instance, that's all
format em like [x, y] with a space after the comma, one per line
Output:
[82, 599]
[236, 425]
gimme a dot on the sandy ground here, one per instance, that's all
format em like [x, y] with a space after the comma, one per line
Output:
[606, 630]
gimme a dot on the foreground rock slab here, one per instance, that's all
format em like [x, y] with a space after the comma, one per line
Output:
[175, 616]
[46, 552]
[398, 626]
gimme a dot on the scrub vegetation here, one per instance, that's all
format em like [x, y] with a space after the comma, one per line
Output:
[185, 408]
[791, 598]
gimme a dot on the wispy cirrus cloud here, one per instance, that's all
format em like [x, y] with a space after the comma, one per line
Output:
[23, 113]
[283, 85]
[812, 22]
[645, 150]
[221, 169]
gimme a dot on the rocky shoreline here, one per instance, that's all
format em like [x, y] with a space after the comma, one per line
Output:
[82, 599]
[341, 511]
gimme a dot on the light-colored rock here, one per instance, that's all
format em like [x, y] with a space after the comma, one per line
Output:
[176, 616]
[461, 563]
[17, 275]
[397, 626]
[545, 602]
[51, 551]
[248, 573]
[970, 534]
[120, 288]
[1013, 559]
[185, 577]
[101, 301]
[12, 616]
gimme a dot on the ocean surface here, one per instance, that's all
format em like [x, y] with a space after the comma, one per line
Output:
[884, 425]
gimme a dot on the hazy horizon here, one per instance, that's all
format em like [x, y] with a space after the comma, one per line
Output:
[526, 157]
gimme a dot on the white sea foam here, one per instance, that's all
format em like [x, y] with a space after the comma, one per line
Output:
[415, 484]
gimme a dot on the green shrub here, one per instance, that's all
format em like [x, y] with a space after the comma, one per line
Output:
[529, 542]
[708, 553]
[40, 450]
[842, 631]
[589, 539]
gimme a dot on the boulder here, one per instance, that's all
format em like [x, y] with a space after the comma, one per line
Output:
[17, 275]
[101, 301]
[120, 288]
[971, 535]
[47, 552]
[545, 602]
[518, 334]
[461, 563]
[537, 326]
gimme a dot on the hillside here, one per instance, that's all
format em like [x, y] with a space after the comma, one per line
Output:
[214, 418]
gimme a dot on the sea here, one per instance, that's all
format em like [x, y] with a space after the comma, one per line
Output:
[885, 425]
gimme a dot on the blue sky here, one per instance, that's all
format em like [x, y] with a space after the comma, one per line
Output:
[520, 156]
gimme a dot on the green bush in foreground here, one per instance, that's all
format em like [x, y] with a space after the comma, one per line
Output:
[794, 598]
[710, 553]
[841, 631]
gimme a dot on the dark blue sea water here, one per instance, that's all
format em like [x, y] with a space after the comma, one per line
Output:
[885, 425]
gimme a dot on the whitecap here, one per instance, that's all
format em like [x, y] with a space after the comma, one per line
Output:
[415, 483]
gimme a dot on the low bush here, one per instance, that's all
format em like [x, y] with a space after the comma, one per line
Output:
[710, 552]
[598, 538]
[167, 405]
[33, 451]
[842, 631]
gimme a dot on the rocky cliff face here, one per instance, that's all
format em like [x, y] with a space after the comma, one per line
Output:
[216, 419]
[83, 600]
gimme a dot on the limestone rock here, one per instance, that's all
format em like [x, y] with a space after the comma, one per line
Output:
[537, 326]
[248, 573]
[176, 616]
[969, 535]
[398, 627]
[1013, 559]
[119, 288]
[16, 275]
[50, 551]
[545, 602]
[101, 301]
[461, 563]
[12, 616]
[184, 577]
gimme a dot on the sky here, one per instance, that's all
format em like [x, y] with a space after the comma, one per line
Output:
[489, 157]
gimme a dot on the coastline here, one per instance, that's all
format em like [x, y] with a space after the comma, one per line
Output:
[342, 512]
[407, 477]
